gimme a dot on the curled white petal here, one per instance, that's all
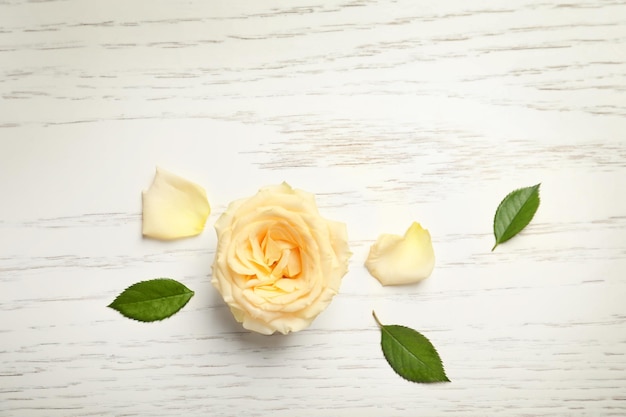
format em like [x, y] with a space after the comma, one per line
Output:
[173, 207]
[397, 260]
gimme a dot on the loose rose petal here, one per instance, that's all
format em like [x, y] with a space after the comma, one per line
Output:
[173, 207]
[397, 260]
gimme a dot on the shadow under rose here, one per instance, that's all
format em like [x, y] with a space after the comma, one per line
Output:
[246, 338]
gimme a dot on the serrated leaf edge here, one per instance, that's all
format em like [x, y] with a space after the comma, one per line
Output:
[113, 304]
[155, 320]
[535, 187]
[383, 329]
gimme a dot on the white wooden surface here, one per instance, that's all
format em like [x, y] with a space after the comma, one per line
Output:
[390, 111]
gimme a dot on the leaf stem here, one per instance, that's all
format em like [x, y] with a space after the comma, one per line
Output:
[376, 318]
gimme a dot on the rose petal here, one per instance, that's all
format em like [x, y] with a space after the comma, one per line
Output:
[278, 263]
[396, 260]
[173, 207]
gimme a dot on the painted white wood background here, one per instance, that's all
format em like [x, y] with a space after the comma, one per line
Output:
[390, 111]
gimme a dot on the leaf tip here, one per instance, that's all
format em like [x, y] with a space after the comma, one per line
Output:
[113, 304]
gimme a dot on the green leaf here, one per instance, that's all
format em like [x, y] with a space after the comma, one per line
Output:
[152, 300]
[514, 213]
[411, 354]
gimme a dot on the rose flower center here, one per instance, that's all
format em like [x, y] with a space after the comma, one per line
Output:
[281, 254]
[276, 259]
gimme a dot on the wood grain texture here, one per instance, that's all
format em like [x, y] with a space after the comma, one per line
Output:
[389, 111]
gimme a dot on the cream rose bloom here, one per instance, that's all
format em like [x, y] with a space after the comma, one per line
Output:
[278, 262]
